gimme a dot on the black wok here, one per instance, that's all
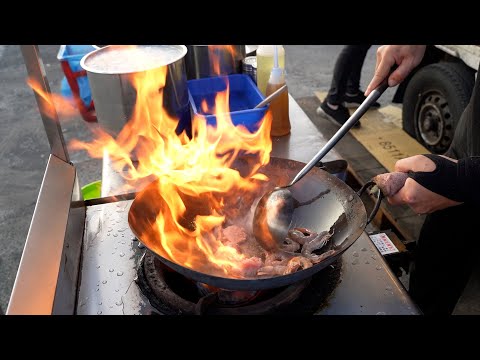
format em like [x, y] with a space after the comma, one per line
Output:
[325, 204]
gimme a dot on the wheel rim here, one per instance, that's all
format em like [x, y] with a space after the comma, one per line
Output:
[433, 118]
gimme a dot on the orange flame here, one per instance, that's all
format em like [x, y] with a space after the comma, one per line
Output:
[53, 104]
[192, 173]
[228, 54]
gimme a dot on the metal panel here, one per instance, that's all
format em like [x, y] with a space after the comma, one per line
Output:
[368, 286]
[36, 281]
[66, 291]
[36, 72]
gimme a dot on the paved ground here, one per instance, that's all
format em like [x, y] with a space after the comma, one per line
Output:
[24, 147]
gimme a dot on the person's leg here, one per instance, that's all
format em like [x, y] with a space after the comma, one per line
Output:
[332, 106]
[341, 72]
[353, 80]
[353, 95]
[444, 256]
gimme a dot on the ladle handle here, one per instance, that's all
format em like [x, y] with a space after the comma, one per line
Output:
[352, 120]
[272, 96]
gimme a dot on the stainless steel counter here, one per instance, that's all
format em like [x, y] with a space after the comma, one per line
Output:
[111, 254]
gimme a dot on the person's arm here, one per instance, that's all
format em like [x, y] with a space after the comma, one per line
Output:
[438, 182]
[407, 57]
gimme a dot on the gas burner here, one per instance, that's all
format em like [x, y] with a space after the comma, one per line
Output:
[173, 294]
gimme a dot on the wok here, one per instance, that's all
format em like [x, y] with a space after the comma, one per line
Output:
[325, 203]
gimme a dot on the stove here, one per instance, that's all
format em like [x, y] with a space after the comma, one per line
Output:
[173, 294]
[120, 276]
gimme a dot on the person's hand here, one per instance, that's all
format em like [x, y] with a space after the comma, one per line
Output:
[420, 199]
[407, 57]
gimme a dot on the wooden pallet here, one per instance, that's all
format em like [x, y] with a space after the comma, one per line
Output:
[383, 142]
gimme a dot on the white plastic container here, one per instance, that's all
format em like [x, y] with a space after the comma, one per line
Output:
[265, 64]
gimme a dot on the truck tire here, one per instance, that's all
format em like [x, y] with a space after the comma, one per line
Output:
[434, 101]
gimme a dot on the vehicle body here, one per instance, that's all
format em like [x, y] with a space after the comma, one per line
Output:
[435, 94]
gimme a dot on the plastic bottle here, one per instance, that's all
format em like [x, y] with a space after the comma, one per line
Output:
[265, 54]
[279, 106]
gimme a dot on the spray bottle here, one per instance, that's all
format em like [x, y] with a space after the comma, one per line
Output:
[265, 55]
[279, 106]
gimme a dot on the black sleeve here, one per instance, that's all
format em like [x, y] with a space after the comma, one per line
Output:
[456, 181]
[468, 179]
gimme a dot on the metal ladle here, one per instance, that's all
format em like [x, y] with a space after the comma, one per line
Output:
[270, 97]
[274, 212]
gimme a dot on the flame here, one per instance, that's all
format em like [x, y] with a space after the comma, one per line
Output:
[227, 52]
[53, 104]
[194, 176]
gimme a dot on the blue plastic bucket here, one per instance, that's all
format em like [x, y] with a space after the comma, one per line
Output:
[244, 96]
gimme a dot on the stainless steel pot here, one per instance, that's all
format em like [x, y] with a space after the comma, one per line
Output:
[110, 69]
[200, 60]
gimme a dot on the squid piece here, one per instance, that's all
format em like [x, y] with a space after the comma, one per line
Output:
[316, 244]
[297, 263]
[234, 235]
[272, 270]
[290, 245]
[251, 266]
[318, 258]
[302, 235]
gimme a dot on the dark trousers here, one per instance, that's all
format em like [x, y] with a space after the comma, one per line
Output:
[446, 251]
[347, 71]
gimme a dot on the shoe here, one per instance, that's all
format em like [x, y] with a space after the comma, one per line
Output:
[338, 116]
[355, 101]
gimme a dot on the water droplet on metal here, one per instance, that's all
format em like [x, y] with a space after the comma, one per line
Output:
[388, 288]
[113, 252]
[97, 289]
[117, 290]
[355, 254]
[111, 306]
[378, 267]
[350, 198]
[98, 266]
[120, 273]
[364, 249]
[115, 247]
[109, 229]
[99, 312]
[115, 235]
[108, 234]
[119, 303]
[374, 257]
[122, 254]
[381, 313]
[111, 270]
[355, 262]
[104, 281]
[123, 242]
[122, 230]
[100, 303]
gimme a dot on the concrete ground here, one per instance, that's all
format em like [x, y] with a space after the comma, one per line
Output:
[24, 147]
